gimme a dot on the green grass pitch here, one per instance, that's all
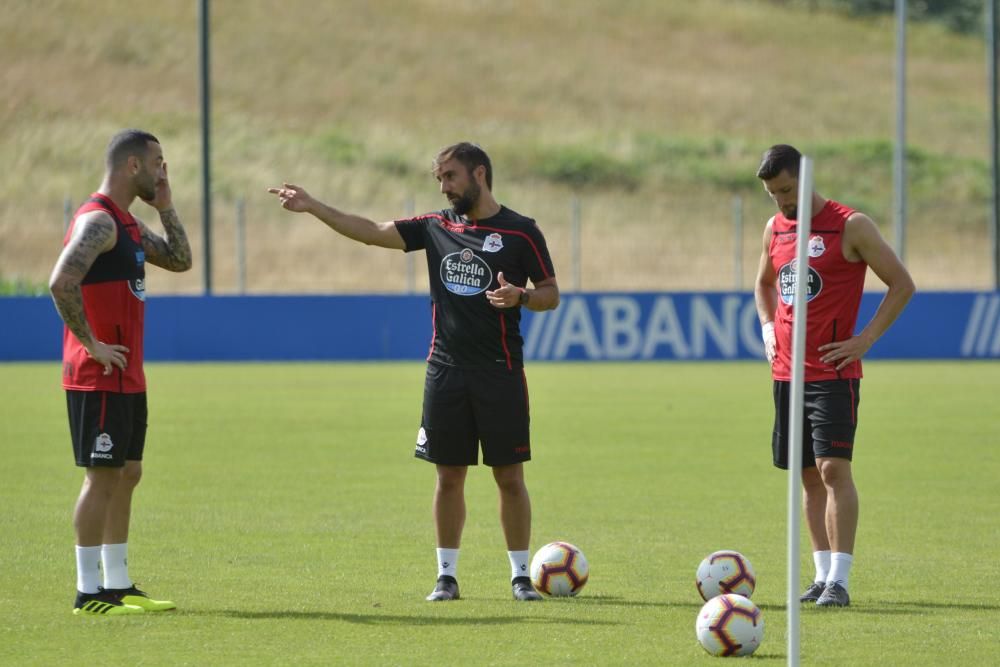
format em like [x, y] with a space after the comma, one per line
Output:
[283, 511]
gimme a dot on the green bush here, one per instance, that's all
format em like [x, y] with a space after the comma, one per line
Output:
[583, 166]
[964, 16]
[339, 148]
[17, 286]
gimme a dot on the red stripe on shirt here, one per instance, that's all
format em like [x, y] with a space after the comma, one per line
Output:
[503, 339]
[434, 330]
[445, 222]
[527, 238]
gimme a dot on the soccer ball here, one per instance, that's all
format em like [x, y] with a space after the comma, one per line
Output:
[559, 569]
[729, 625]
[725, 572]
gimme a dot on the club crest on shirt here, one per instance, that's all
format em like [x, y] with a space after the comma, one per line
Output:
[816, 246]
[493, 243]
[464, 273]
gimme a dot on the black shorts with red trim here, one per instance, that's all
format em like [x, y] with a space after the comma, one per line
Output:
[829, 420]
[465, 408]
[107, 428]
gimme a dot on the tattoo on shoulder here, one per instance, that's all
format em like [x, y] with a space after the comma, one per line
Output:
[93, 236]
[96, 230]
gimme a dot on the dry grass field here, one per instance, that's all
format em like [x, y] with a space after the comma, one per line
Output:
[652, 113]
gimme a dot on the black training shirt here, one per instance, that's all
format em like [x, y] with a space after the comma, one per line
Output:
[463, 259]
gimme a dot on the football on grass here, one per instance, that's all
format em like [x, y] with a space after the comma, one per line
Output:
[559, 569]
[729, 625]
[725, 572]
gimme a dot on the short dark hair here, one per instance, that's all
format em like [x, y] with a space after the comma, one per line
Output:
[469, 154]
[125, 144]
[779, 158]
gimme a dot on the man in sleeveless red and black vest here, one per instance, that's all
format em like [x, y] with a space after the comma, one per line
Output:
[480, 257]
[98, 285]
[843, 245]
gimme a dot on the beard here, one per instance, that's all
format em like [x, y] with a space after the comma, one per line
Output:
[145, 187]
[792, 213]
[467, 200]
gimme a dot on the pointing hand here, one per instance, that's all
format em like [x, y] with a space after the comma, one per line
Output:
[292, 197]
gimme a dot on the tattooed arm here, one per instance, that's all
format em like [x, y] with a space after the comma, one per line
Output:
[172, 252]
[93, 234]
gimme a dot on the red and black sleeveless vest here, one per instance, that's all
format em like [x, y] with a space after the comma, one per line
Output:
[114, 304]
[834, 294]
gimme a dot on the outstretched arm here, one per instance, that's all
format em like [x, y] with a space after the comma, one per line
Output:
[383, 234]
[93, 233]
[863, 242]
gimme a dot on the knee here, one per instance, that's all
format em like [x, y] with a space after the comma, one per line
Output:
[102, 482]
[836, 474]
[811, 480]
[511, 485]
[450, 480]
[131, 475]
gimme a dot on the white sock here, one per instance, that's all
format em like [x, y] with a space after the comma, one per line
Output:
[840, 568]
[822, 561]
[519, 563]
[447, 562]
[114, 557]
[88, 569]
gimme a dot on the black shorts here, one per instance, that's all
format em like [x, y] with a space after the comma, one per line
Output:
[466, 407]
[829, 420]
[107, 428]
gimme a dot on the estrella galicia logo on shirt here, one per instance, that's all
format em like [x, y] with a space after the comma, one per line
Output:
[465, 274]
[138, 285]
[788, 277]
[138, 288]
[493, 243]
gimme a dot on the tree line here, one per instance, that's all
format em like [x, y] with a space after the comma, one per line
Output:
[965, 16]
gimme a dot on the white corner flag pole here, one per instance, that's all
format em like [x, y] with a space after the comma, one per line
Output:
[796, 400]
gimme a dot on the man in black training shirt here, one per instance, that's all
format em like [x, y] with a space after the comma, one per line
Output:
[480, 257]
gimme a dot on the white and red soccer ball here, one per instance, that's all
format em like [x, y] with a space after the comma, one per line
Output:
[725, 572]
[730, 625]
[559, 569]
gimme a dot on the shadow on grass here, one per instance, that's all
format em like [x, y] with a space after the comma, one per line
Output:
[916, 607]
[391, 619]
[896, 607]
[613, 600]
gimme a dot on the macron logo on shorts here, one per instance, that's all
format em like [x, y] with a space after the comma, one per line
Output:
[102, 446]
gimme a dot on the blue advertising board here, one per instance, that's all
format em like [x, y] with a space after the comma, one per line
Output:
[633, 326]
